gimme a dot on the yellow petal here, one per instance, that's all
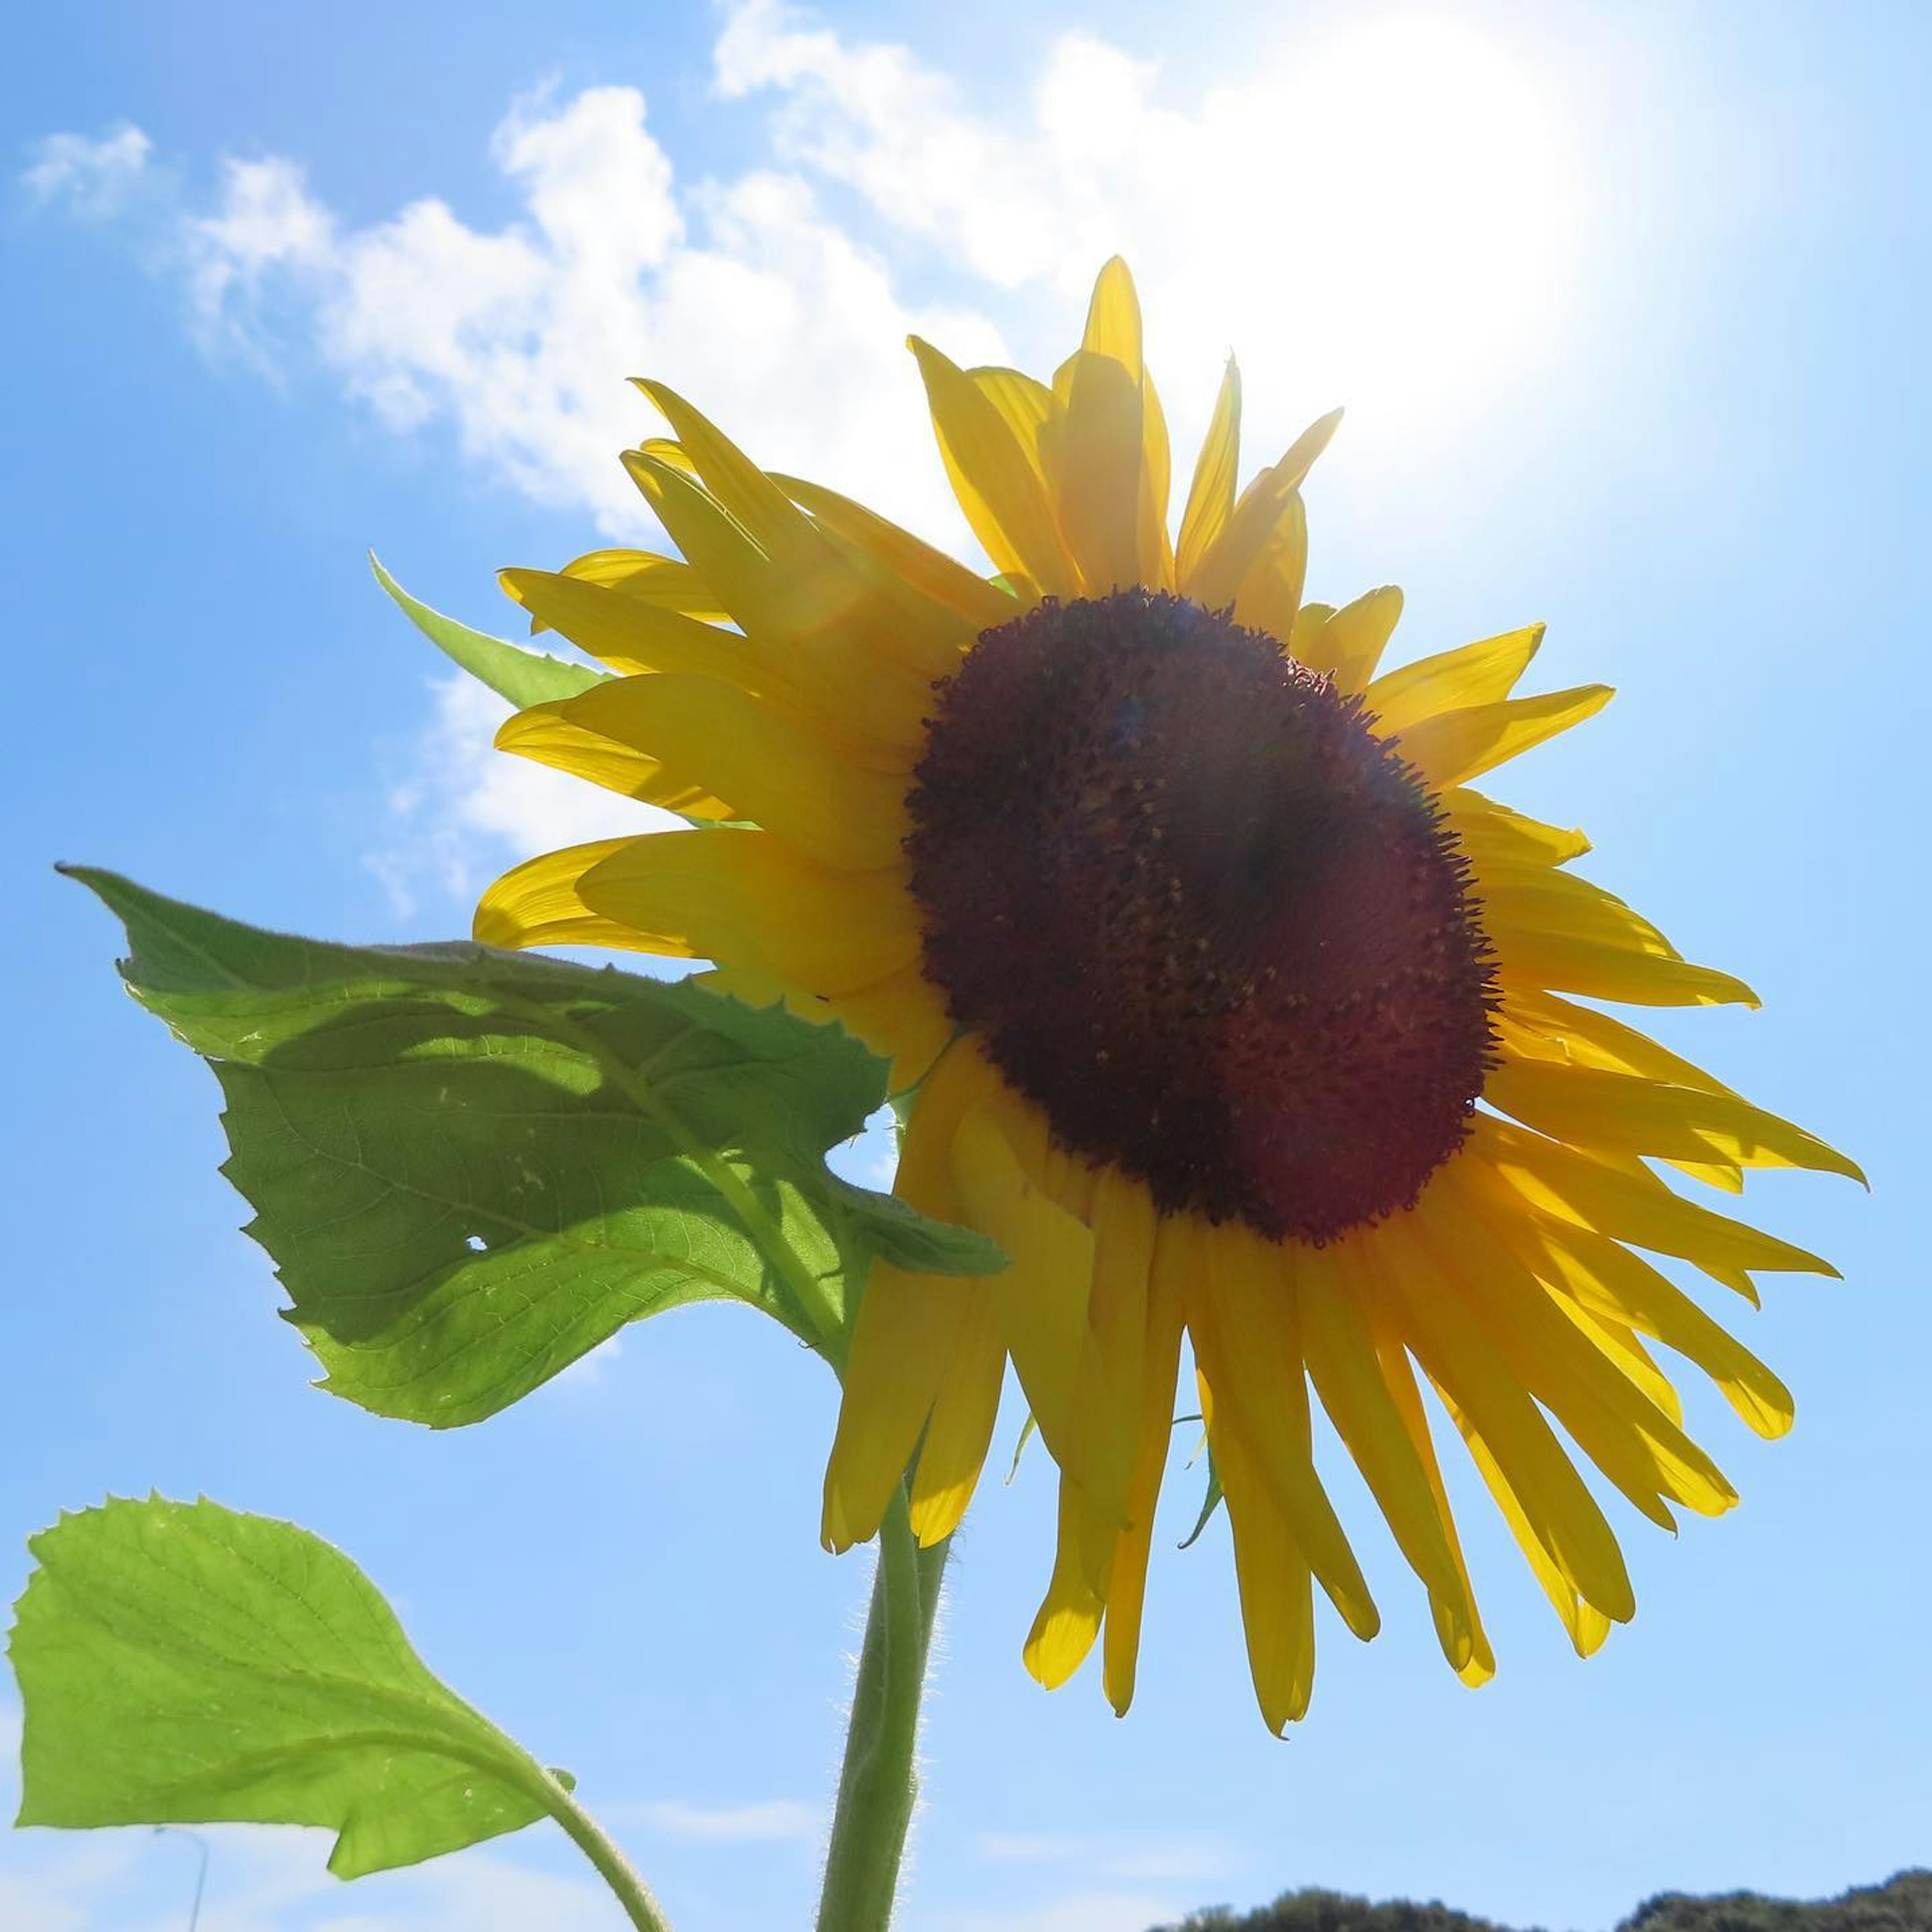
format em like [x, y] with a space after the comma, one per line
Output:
[1069, 1620]
[1042, 1294]
[1210, 497]
[1466, 1366]
[1452, 747]
[993, 475]
[631, 635]
[745, 898]
[1350, 645]
[774, 764]
[1094, 451]
[1464, 1643]
[1252, 525]
[818, 621]
[1607, 1279]
[1574, 1187]
[983, 605]
[1552, 929]
[1473, 674]
[906, 1339]
[903, 1018]
[960, 1426]
[1174, 1268]
[1277, 1603]
[1593, 1107]
[1247, 1340]
[1270, 598]
[1347, 1377]
[547, 735]
[660, 583]
[1632, 1441]
[1493, 835]
[537, 903]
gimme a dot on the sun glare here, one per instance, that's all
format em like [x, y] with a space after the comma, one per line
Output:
[1415, 242]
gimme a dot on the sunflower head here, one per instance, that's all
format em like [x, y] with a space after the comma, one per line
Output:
[1213, 989]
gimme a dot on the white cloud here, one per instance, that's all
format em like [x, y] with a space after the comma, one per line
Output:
[773, 1820]
[1137, 1858]
[94, 178]
[1380, 211]
[464, 810]
[271, 1878]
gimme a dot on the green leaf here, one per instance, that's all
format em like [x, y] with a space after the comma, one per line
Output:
[525, 677]
[471, 1167]
[182, 1664]
[1209, 1503]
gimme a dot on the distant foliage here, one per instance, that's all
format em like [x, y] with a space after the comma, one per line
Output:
[1901, 1904]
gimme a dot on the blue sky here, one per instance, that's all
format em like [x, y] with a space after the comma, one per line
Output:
[1627, 304]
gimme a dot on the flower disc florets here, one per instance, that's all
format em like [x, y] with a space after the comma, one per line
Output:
[1200, 914]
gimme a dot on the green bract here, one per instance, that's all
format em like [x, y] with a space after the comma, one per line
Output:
[471, 1167]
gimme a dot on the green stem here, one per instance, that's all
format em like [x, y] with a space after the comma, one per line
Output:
[878, 1784]
[616, 1870]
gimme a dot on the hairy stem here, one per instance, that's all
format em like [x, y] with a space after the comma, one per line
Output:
[878, 1784]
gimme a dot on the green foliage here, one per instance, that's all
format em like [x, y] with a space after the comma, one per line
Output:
[183, 1664]
[471, 1167]
[1902, 1904]
[524, 677]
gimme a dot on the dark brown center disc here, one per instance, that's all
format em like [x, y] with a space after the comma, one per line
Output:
[1200, 914]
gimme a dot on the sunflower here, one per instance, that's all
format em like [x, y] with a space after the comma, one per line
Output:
[1212, 988]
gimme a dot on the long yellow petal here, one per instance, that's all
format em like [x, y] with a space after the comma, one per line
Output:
[1043, 1292]
[1210, 496]
[1173, 1270]
[746, 899]
[1093, 453]
[1465, 1363]
[661, 582]
[1001, 492]
[1274, 1577]
[1593, 1107]
[1575, 1187]
[905, 1341]
[1605, 1278]
[538, 903]
[818, 621]
[1632, 1441]
[1452, 747]
[774, 764]
[961, 1427]
[1224, 565]
[1466, 1645]
[983, 605]
[547, 735]
[1347, 1377]
[1493, 835]
[1247, 1340]
[1350, 645]
[1479, 674]
[1269, 597]
[1069, 1620]
[631, 635]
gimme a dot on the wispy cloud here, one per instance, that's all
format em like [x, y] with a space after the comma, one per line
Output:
[772, 1820]
[1402, 253]
[93, 176]
[1137, 1858]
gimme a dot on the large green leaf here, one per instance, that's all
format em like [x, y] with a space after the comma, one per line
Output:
[470, 1167]
[524, 677]
[181, 1664]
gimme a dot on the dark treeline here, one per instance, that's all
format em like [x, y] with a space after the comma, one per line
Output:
[1901, 1904]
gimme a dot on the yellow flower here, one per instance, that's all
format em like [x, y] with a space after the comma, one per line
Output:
[1225, 1004]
